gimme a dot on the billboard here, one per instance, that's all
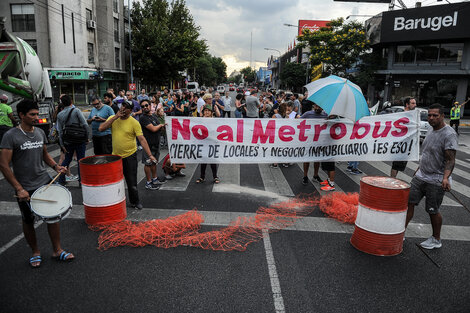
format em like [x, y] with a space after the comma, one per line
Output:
[312, 25]
[438, 22]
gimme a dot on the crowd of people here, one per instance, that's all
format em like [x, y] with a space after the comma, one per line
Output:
[120, 125]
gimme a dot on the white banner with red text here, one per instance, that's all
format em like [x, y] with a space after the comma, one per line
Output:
[389, 137]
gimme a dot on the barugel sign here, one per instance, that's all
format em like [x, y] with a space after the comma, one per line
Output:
[439, 22]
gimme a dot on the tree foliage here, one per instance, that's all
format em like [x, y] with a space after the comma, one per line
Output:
[237, 79]
[338, 46]
[165, 40]
[248, 74]
[293, 76]
[210, 70]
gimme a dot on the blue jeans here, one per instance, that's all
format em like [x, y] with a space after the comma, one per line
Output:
[354, 164]
[71, 149]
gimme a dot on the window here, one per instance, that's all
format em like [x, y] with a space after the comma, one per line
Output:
[22, 18]
[405, 54]
[427, 53]
[115, 6]
[451, 52]
[33, 43]
[91, 54]
[89, 15]
[117, 58]
[116, 29]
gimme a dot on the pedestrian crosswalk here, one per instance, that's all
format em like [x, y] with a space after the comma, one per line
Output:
[282, 182]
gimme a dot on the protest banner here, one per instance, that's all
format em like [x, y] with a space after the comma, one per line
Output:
[390, 137]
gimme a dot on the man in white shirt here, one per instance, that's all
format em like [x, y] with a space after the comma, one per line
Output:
[227, 105]
[200, 103]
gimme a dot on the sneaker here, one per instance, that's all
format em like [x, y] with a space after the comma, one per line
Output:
[305, 181]
[180, 174]
[285, 164]
[328, 188]
[168, 177]
[138, 206]
[325, 182]
[151, 186]
[71, 178]
[349, 168]
[317, 179]
[273, 166]
[355, 171]
[155, 181]
[431, 243]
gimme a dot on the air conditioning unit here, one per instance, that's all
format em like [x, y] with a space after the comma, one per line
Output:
[91, 24]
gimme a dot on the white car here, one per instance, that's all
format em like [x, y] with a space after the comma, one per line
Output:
[423, 114]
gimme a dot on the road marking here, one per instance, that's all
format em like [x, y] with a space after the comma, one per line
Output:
[16, 239]
[274, 180]
[218, 218]
[274, 278]
[229, 178]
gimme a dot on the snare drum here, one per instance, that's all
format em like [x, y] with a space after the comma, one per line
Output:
[51, 212]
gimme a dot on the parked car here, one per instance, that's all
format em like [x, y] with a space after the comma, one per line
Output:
[423, 114]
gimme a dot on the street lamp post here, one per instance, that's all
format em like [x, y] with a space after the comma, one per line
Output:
[279, 63]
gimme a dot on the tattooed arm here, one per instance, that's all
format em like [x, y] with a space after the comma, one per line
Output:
[449, 167]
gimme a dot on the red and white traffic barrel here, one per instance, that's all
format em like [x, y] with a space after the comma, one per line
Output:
[103, 189]
[381, 216]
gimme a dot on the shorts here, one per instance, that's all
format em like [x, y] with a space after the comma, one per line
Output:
[399, 165]
[328, 166]
[155, 150]
[27, 214]
[434, 195]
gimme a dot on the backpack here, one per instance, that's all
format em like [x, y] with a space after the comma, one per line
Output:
[73, 133]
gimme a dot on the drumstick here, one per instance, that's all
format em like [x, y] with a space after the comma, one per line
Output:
[39, 199]
[57, 176]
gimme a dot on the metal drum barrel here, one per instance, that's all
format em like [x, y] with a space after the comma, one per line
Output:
[381, 216]
[103, 190]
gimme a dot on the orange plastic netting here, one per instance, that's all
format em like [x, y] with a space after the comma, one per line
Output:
[185, 229]
[340, 206]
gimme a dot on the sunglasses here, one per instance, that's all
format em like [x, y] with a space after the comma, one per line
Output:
[95, 103]
[145, 105]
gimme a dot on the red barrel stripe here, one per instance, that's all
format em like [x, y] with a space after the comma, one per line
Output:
[105, 215]
[100, 174]
[383, 199]
[377, 244]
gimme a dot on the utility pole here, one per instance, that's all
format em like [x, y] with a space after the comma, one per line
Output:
[130, 39]
[251, 47]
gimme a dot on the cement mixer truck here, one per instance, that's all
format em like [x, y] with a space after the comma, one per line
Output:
[22, 76]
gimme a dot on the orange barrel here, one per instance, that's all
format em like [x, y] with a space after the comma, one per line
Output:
[103, 190]
[381, 215]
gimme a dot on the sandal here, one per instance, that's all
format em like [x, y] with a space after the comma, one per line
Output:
[35, 259]
[216, 180]
[64, 257]
[199, 180]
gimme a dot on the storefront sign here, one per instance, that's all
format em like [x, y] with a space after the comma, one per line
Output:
[132, 86]
[388, 137]
[439, 22]
[70, 74]
[311, 25]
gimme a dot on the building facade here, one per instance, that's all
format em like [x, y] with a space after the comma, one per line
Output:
[425, 53]
[81, 43]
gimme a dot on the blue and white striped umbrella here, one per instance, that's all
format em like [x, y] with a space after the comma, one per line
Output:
[338, 96]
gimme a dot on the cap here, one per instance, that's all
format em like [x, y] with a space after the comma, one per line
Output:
[456, 102]
[207, 107]
[247, 93]
[207, 96]
[3, 97]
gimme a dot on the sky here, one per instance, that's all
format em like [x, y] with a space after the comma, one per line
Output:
[228, 25]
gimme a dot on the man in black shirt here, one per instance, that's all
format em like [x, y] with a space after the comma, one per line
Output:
[151, 129]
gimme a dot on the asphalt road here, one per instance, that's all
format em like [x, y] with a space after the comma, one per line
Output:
[309, 267]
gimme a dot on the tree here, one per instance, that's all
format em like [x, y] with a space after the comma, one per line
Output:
[210, 70]
[165, 40]
[237, 79]
[293, 76]
[338, 46]
[248, 74]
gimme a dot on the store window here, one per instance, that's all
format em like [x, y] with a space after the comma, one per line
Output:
[451, 52]
[117, 58]
[22, 18]
[116, 30]
[405, 54]
[427, 53]
[91, 53]
[80, 95]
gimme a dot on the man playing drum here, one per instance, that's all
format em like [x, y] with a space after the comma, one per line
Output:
[24, 147]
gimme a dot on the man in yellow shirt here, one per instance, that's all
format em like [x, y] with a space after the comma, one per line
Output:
[124, 131]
